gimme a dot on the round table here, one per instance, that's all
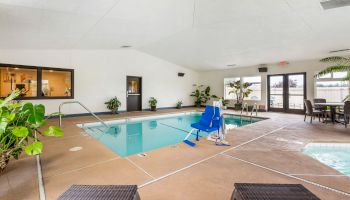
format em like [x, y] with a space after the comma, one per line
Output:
[333, 107]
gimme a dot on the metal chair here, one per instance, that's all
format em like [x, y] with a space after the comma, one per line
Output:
[324, 109]
[345, 113]
[310, 111]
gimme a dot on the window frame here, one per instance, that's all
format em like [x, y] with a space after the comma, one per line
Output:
[39, 70]
[234, 95]
[242, 80]
[327, 80]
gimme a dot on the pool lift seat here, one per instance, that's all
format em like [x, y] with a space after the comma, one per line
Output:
[210, 121]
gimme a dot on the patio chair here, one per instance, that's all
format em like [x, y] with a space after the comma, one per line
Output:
[324, 109]
[310, 111]
[101, 192]
[345, 114]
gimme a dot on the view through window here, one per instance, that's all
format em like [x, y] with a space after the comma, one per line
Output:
[56, 83]
[16, 78]
[36, 82]
[256, 87]
[332, 87]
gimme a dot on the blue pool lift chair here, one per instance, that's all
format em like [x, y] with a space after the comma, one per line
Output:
[210, 121]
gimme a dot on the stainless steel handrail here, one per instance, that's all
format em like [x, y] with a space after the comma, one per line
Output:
[255, 107]
[82, 105]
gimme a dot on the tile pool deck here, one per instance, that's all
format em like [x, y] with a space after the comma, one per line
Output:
[264, 152]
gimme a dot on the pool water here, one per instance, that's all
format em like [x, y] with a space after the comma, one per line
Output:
[136, 136]
[334, 155]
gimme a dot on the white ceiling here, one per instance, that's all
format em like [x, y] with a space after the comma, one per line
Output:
[199, 34]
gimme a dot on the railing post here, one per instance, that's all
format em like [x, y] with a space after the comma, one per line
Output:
[82, 105]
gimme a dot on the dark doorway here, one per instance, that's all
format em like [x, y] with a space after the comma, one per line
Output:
[286, 92]
[133, 93]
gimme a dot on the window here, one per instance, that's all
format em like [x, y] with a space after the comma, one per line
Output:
[36, 82]
[16, 78]
[256, 87]
[56, 83]
[227, 88]
[332, 88]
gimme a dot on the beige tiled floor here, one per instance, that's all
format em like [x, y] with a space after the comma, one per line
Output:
[182, 172]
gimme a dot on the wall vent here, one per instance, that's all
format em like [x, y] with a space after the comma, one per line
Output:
[330, 4]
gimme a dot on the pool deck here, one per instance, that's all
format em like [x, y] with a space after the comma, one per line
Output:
[264, 152]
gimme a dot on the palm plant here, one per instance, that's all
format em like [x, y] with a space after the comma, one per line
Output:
[337, 64]
[241, 90]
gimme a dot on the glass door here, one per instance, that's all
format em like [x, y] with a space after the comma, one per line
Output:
[296, 92]
[133, 93]
[276, 93]
[286, 92]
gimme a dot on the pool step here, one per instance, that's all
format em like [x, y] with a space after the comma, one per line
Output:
[94, 130]
[101, 130]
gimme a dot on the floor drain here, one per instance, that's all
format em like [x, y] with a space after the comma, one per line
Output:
[75, 149]
[142, 155]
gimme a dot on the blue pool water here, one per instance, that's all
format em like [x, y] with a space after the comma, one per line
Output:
[137, 136]
[334, 155]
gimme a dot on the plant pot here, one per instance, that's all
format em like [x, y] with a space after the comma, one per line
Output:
[153, 108]
[250, 108]
[115, 111]
[238, 106]
[4, 160]
[178, 107]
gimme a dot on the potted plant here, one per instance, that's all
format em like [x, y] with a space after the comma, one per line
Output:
[179, 104]
[225, 102]
[19, 124]
[113, 105]
[241, 91]
[153, 103]
[201, 95]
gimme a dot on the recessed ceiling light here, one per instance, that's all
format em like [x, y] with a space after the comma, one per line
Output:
[339, 50]
[231, 65]
[125, 46]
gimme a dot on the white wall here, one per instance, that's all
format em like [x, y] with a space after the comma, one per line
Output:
[101, 74]
[215, 79]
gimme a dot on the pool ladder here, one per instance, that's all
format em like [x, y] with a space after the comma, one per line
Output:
[82, 105]
[246, 108]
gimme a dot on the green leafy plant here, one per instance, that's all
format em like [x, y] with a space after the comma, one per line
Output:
[179, 104]
[19, 124]
[153, 103]
[336, 64]
[201, 95]
[113, 104]
[225, 102]
[241, 91]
